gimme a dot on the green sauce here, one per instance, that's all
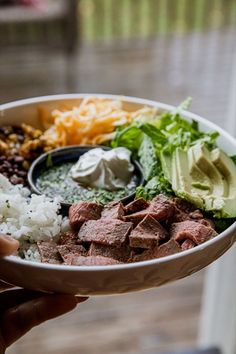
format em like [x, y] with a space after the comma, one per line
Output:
[56, 181]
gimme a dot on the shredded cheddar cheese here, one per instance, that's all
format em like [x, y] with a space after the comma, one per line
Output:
[93, 122]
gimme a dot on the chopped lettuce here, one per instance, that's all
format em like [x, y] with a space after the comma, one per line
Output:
[148, 159]
[162, 134]
[129, 136]
[154, 186]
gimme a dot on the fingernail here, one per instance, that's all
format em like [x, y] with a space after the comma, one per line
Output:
[81, 299]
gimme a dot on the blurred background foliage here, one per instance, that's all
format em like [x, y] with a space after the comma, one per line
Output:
[109, 19]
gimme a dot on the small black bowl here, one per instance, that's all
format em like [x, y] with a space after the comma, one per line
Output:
[71, 154]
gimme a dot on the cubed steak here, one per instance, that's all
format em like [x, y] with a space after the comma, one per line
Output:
[137, 205]
[113, 210]
[69, 251]
[110, 232]
[121, 254]
[160, 208]
[184, 211]
[183, 205]
[68, 238]
[196, 215]
[93, 261]
[147, 234]
[187, 244]
[166, 249]
[49, 253]
[207, 222]
[83, 211]
[192, 230]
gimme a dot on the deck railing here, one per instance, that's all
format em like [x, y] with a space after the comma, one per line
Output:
[120, 19]
[109, 19]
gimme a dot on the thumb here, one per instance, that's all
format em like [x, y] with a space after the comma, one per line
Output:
[7, 245]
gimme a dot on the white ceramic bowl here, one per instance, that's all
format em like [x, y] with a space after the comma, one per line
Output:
[115, 279]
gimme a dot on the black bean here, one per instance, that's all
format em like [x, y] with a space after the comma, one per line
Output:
[19, 159]
[22, 173]
[10, 158]
[6, 164]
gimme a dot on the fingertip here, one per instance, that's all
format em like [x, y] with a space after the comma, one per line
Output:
[8, 245]
[64, 303]
[80, 299]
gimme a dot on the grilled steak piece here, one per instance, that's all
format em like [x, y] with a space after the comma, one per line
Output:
[83, 211]
[180, 215]
[166, 249]
[113, 210]
[105, 231]
[68, 238]
[196, 215]
[93, 261]
[69, 251]
[184, 211]
[121, 254]
[137, 205]
[192, 230]
[187, 244]
[207, 222]
[147, 234]
[48, 252]
[183, 205]
[160, 208]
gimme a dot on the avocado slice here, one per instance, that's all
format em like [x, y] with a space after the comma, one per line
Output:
[227, 168]
[182, 180]
[205, 178]
[200, 180]
[203, 161]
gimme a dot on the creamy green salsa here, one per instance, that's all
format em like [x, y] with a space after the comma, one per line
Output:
[57, 181]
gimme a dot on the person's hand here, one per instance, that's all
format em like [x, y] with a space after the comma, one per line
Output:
[21, 309]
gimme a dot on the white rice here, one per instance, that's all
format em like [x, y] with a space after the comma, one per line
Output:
[29, 252]
[28, 218]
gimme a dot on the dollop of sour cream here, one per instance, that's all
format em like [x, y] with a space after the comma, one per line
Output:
[106, 169]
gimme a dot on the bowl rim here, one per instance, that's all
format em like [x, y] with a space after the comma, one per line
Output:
[44, 156]
[123, 266]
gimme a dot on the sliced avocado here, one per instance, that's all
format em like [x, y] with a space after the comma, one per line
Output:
[181, 178]
[228, 169]
[200, 180]
[205, 178]
[203, 161]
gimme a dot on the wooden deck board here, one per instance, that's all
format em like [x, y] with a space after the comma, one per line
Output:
[157, 319]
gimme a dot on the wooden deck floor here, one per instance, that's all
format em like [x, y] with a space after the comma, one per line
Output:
[167, 69]
[148, 322]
